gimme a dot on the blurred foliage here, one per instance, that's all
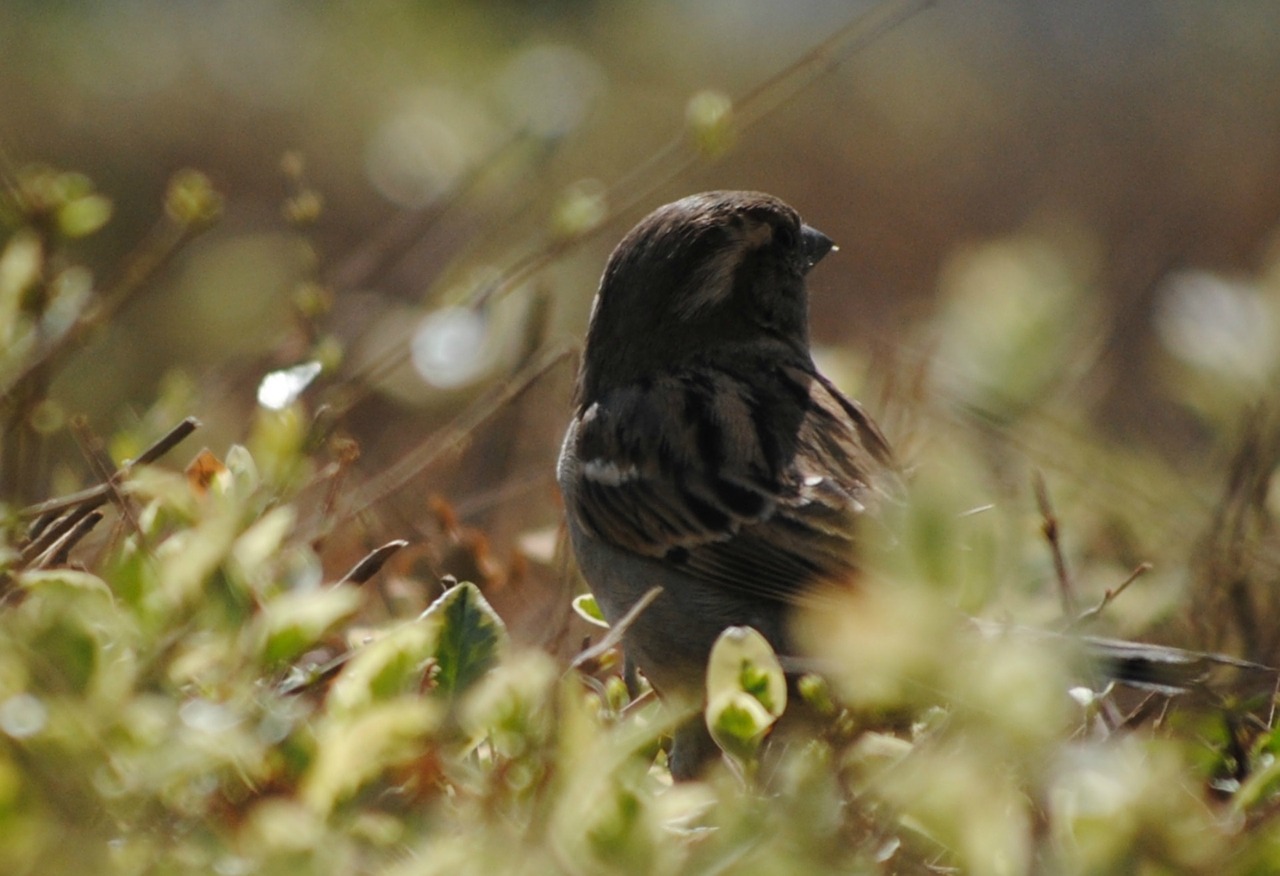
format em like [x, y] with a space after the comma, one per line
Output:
[185, 689]
[200, 700]
[1057, 228]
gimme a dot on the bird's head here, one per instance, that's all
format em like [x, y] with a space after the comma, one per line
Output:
[710, 271]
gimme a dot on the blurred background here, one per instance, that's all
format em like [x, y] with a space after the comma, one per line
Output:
[1058, 253]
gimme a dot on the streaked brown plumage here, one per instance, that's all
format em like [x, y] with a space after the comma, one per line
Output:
[707, 455]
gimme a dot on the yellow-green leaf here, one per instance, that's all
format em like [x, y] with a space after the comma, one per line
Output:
[471, 636]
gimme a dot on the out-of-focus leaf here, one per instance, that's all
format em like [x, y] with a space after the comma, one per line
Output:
[511, 705]
[40, 579]
[738, 723]
[261, 542]
[164, 491]
[188, 558]
[84, 215]
[21, 262]
[277, 442]
[292, 622]
[69, 619]
[244, 471]
[815, 691]
[875, 752]
[746, 691]
[582, 207]
[709, 115]
[191, 199]
[390, 665]
[742, 660]
[888, 647]
[286, 826]
[606, 820]
[350, 752]
[470, 636]
[622, 833]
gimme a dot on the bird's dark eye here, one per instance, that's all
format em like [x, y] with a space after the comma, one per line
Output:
[785, 236]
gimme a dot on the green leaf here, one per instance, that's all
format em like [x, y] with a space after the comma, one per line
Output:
[742, 660]
[738, 723]
[84, 215]
[291, 623]
[69, 578]
[188, 559]
[387, 667]
[244, 471]
[258, 545]
[70, 654]
[471, 636]
[588, 609]
[353, 751]
[511, 705]
[746, 691]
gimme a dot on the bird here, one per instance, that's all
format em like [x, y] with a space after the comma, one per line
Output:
[707, 455]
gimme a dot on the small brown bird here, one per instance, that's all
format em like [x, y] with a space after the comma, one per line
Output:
[707, 455]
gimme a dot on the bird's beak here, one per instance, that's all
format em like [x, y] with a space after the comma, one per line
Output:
[814, 244]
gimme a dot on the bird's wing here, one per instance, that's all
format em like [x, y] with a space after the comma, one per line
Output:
[750, 484]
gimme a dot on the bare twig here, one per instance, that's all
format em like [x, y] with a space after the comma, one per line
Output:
[1275, 695]
[614, 636]
[160, 245]
[60, 551]
[396, 236]
[65, 517]
[104, 470]
[1144, 710]
[302, 678]
[53, 533]
[95, 496]
[39, 525]
[680, 153]
[454, 437]
[167, 442]
[1049, 526]
[347, 452]
[1109, 596]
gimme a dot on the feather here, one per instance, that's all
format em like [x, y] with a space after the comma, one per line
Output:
[759, 491]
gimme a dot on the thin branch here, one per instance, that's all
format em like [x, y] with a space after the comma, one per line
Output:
[103, 469]
[680, 153]
[614, 636]
[59, 553]
[454, 437]
[53, 534]
[159, 246]
[1109, 596]
[1049, 526]
[1275, 696]
[98, 495]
